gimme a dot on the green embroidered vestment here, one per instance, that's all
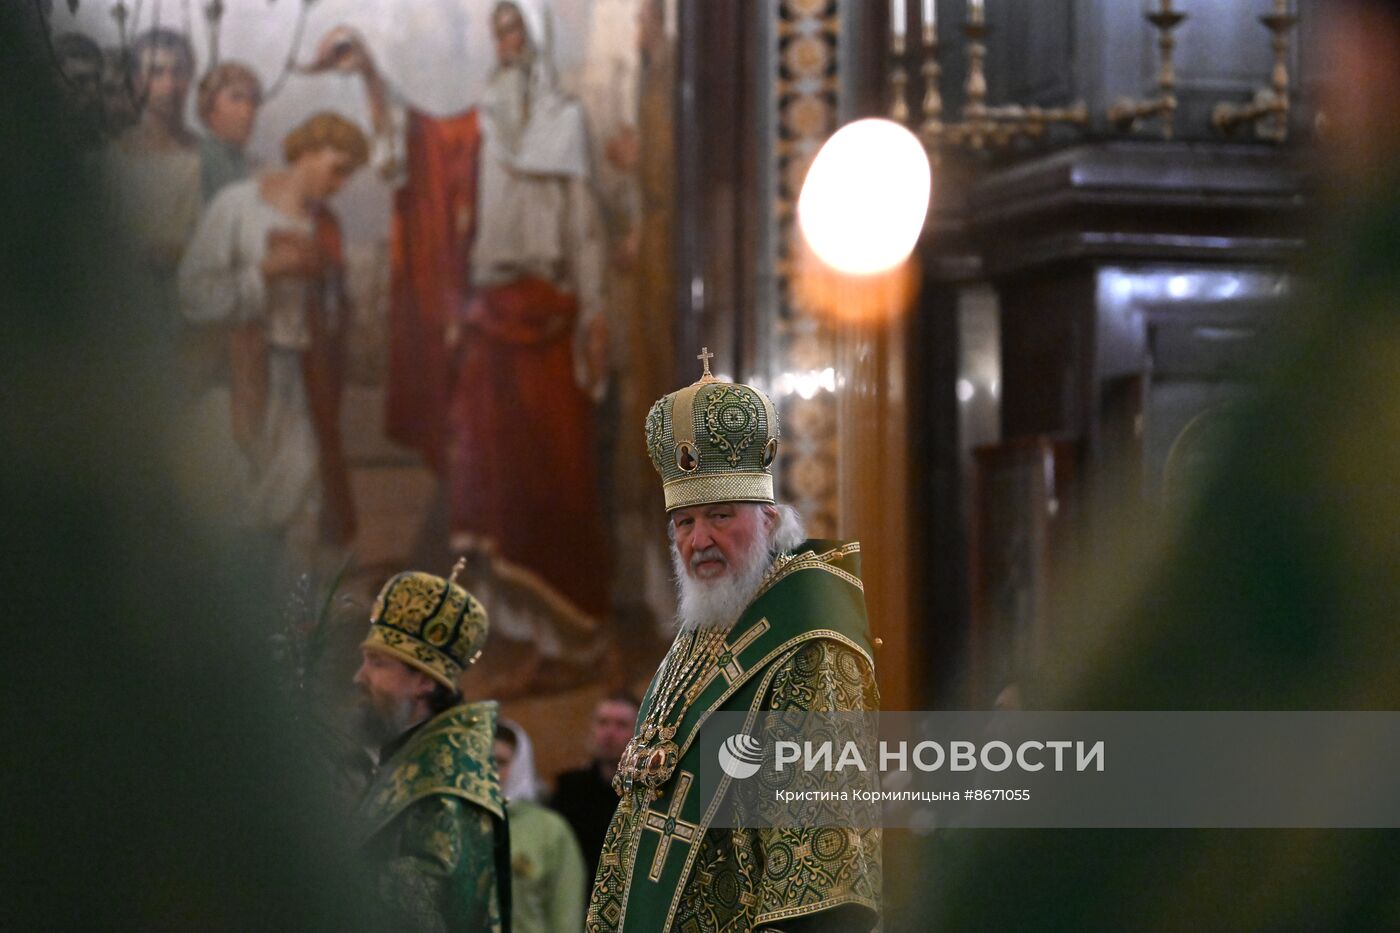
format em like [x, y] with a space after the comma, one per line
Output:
[803, 644]
[432, 820]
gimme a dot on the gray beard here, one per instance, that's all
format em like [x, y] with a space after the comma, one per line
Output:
[718, 603]
[377, 728]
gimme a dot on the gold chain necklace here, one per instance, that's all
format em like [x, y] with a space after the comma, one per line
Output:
[652, 754]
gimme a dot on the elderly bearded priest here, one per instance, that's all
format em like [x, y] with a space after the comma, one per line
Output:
[767, 621]
[432, 818]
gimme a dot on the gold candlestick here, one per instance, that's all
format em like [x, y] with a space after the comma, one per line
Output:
[975, 132]
[899, 81]
[1127, 113]
[1269, 110]
[932, 126]
[980, 126]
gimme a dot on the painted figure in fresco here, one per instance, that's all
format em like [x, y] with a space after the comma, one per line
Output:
[498, 343]
[266, 267]
[546, 866]
[153, 167]
[80, 62]
[432, 822]
[118, 99]
[229, 97]
[766, 621]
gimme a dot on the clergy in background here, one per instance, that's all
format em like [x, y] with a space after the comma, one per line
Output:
[432, 822]
[766, 621]
[498, 343]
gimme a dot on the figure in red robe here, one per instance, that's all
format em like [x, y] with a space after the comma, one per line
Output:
[498, 343]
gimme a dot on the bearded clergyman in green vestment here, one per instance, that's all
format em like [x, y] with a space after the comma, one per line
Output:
[432, 822]
[767, 621]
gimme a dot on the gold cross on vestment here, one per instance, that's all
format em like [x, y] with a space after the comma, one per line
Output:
[670, 826]
[727, 662]
[705, 357]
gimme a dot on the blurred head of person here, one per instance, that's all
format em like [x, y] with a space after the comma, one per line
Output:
[515, 762]
[1010, 700]
[614, 720]
[162, 64]
[503, 750]
[1360, 50]
[229, 97]
[323, 152]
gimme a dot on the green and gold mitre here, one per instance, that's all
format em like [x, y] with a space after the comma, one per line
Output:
[428, 622]
[713, 441]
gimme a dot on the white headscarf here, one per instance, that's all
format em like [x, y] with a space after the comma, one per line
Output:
[524, 783]
[554, 139]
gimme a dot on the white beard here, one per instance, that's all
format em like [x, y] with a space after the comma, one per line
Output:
[719, 602]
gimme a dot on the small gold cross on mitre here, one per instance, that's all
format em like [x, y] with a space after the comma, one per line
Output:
[704, 358]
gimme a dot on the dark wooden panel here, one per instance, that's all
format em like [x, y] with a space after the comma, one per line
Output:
[1032, 51]
[717, 177]
[938, 536]
[1047, 351]
[1024, 506]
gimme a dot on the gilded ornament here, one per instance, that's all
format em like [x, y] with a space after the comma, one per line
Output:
[808, 7]
[656, 432]
[807, 116]
[732, 420]
[808, 56]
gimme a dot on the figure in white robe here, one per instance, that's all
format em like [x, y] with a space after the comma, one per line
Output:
[270, 482]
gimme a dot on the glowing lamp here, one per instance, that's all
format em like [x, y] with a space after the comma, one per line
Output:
[866, 195]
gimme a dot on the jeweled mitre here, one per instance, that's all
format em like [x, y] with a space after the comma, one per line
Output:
[430, 623]
[713, 441]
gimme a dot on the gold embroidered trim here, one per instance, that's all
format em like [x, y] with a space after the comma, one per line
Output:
[789, 564]
[683, 415]
[790, 643]
[704, 488]
[788, 913]
[709, 813]
[431, 661]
